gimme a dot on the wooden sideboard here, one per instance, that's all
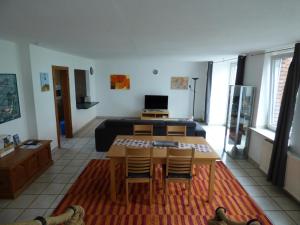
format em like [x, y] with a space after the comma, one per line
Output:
[155, 114]
[21, 167]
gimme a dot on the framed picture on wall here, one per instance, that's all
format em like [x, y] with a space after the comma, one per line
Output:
[180, 83]
[45, 85]
[9, 98]
[119, 82]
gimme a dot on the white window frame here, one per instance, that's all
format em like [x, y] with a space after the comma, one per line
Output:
[270, 125]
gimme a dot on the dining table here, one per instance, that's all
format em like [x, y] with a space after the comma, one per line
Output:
[204, 154]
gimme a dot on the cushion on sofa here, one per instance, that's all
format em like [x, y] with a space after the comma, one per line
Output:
[106, 132]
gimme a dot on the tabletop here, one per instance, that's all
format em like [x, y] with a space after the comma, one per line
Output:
[118, 151]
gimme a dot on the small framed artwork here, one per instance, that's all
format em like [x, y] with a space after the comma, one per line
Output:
[9, 98]
[180, 83]
[119, 82]
[45, 85]
[16, 139]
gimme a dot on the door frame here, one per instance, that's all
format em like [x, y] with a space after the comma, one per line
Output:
[65, 88]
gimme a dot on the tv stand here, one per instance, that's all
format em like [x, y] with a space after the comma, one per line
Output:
[154, 114]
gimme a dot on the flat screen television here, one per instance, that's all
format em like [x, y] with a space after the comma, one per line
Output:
[156, 102]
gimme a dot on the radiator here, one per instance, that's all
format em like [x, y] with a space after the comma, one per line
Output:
[265, 155]
[292, 177]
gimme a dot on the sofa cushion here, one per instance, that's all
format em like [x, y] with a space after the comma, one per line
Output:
[187, 123]
[106, 132]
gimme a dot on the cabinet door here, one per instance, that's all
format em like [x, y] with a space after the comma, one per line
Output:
[4, 182]
[44, 157]
[32, 165]
[19, 176]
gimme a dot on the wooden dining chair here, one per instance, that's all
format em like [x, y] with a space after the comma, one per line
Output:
[143, 130]
[179, 131]
[139, 168]
[176, 130]
[179, 168]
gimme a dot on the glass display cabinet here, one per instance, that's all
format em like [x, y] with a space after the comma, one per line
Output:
[238, 120]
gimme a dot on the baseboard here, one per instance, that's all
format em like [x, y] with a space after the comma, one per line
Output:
[84, 126]
[255, 163]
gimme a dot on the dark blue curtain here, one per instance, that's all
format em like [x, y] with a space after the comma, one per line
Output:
[208, 90]
[240, 71]
[277, 167]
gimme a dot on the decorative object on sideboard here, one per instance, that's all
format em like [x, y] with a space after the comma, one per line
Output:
[180, 83]
[9, 98]
[119, 82]
[6, 145]
[31, 144]
[45, 84]
[16, 139]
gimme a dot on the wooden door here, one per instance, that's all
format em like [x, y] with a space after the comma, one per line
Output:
[65, 88]
[62, 73]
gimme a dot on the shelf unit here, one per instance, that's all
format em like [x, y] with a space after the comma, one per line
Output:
[239, 119]
[155, 114]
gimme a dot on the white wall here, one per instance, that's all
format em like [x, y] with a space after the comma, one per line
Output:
[255, 69]
[42, 60]
[9, 63]
[24, 59]
[131, 102]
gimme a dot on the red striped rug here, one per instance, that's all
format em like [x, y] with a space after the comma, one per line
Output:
[91, 191]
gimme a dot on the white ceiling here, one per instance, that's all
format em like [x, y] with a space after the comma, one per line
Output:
[185, 29]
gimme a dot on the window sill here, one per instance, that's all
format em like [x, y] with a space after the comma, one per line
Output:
[264, 132]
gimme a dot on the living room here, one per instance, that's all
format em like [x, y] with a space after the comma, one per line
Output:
[156, 49]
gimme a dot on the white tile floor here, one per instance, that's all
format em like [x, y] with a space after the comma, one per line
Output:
[278, 206]
[46, 192]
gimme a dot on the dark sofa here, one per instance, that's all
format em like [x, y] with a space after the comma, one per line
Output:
[106, 132]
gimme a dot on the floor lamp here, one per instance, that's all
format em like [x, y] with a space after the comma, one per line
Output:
[195, 80]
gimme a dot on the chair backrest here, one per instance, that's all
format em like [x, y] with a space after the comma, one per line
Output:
[176, 130]
[143, 130]
[180, 161]
[139, 160]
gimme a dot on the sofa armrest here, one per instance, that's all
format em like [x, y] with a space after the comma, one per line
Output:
[102, 138]
[199, 131]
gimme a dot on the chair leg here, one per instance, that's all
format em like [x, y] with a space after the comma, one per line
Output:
[127, 193]
[163, 176]
[150, 190]
[166, 191]
[190, 192]
[154, 174]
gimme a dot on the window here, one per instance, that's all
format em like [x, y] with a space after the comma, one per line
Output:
[279, 69]
[223, 75]
[232, 75]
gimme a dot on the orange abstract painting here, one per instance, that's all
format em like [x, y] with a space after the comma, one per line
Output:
[120, 82]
